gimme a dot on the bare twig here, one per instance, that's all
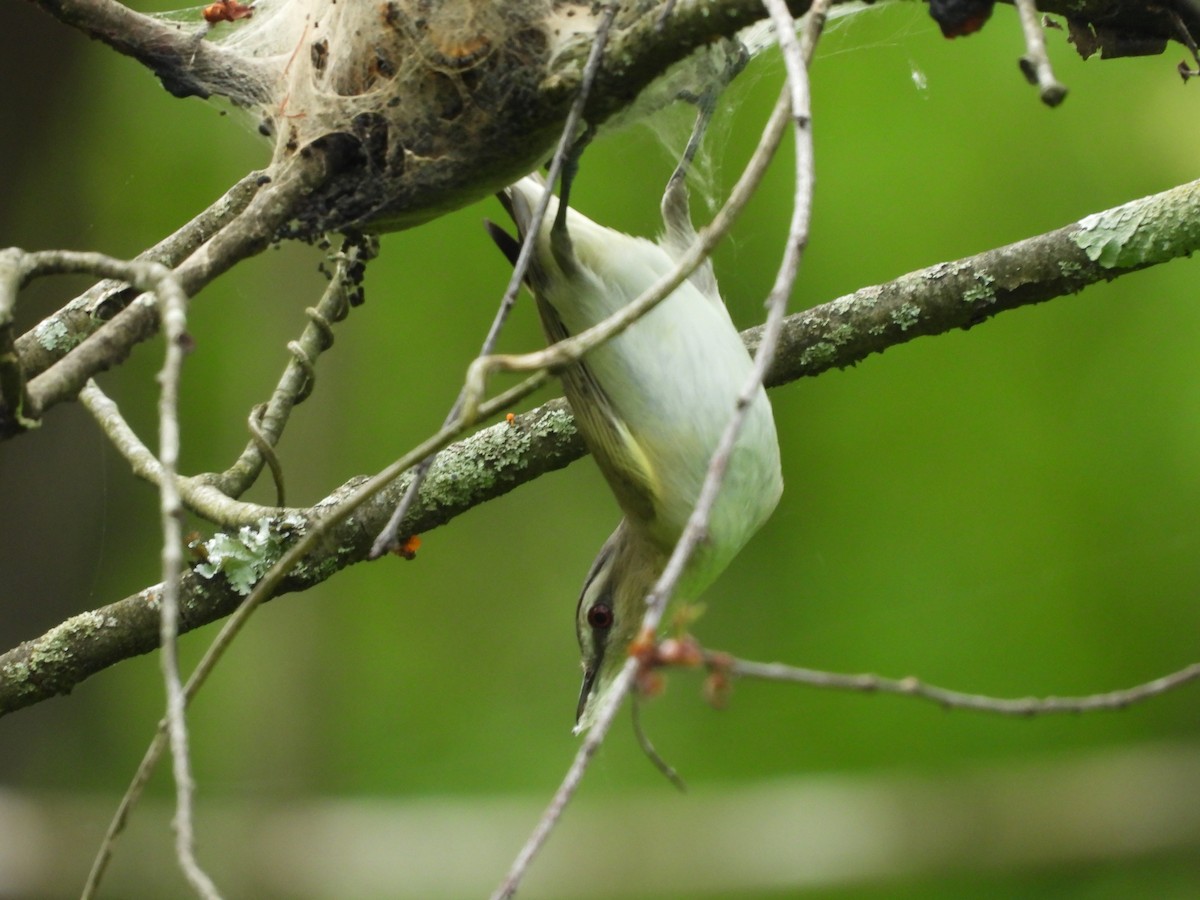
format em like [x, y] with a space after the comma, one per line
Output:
[795, 99]
[156, 278]
[390, 538]
[249, 233]
[570, 783]
[173, 305]
[949, 699]
[797, 90]
[15, 414]
[265, 450]
[317, 532]
[649, 750]
[57, 334]
[941, 298]
[187, 65]
[202, 499]
[561, 354]
[1035, 64]
[343, 291]
[611, 700]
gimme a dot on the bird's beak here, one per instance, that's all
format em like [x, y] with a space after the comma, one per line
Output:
[585, 690]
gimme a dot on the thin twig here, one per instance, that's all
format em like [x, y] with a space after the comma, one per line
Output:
[570, 783]
[1035, 64]
[173, 306]
[261, 443]
[651, 753]
[569, 350]
[950, 699]
[186, 65]
[159, 279]
[251, 232]
[797, 91]
[795, 99]
[611, 700]
[14, 397]
[264, 589]
[51, 339]
[389, 538]
[201, 498]
[299, 375]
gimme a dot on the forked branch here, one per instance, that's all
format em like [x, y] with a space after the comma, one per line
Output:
[935, 300]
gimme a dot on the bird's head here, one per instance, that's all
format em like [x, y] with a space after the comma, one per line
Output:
[611, 606]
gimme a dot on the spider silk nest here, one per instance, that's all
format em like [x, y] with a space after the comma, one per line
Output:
[431, 104]
[427, 98]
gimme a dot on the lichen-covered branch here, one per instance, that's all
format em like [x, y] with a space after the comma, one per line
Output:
[56, 335]
[429, 108]
[941, 298]
[186, 64]
[412, 140]
[248, 234]
[963, 293]
[482, 467]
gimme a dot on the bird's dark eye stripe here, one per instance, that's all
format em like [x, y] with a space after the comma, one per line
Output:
[594, 573]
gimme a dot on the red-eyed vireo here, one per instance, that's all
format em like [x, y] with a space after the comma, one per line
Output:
[651, 405]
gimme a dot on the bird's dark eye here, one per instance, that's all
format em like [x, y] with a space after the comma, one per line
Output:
[600, 616]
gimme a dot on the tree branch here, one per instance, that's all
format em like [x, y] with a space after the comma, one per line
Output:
[963, 293]
[340, 183]
[398, 171]
[486, 465]
[494, 461]
[56, 335]
[722, 665]
[186, 64]
[247, 234]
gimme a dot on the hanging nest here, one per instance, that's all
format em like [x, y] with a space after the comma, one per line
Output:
[406, 96]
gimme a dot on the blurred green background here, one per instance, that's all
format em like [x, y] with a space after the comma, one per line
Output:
[1010, 510]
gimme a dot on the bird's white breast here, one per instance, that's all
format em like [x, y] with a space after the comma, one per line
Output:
[673, 377]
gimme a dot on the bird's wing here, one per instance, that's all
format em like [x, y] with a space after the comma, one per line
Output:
[620, 458]
[622, 461]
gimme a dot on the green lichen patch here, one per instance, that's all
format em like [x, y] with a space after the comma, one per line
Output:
[54, 336]
[245, 556]
[906, 315]
[1069, 268]
[1140, 233]
[820, 355]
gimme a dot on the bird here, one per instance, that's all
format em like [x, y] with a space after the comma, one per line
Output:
[651, 405]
